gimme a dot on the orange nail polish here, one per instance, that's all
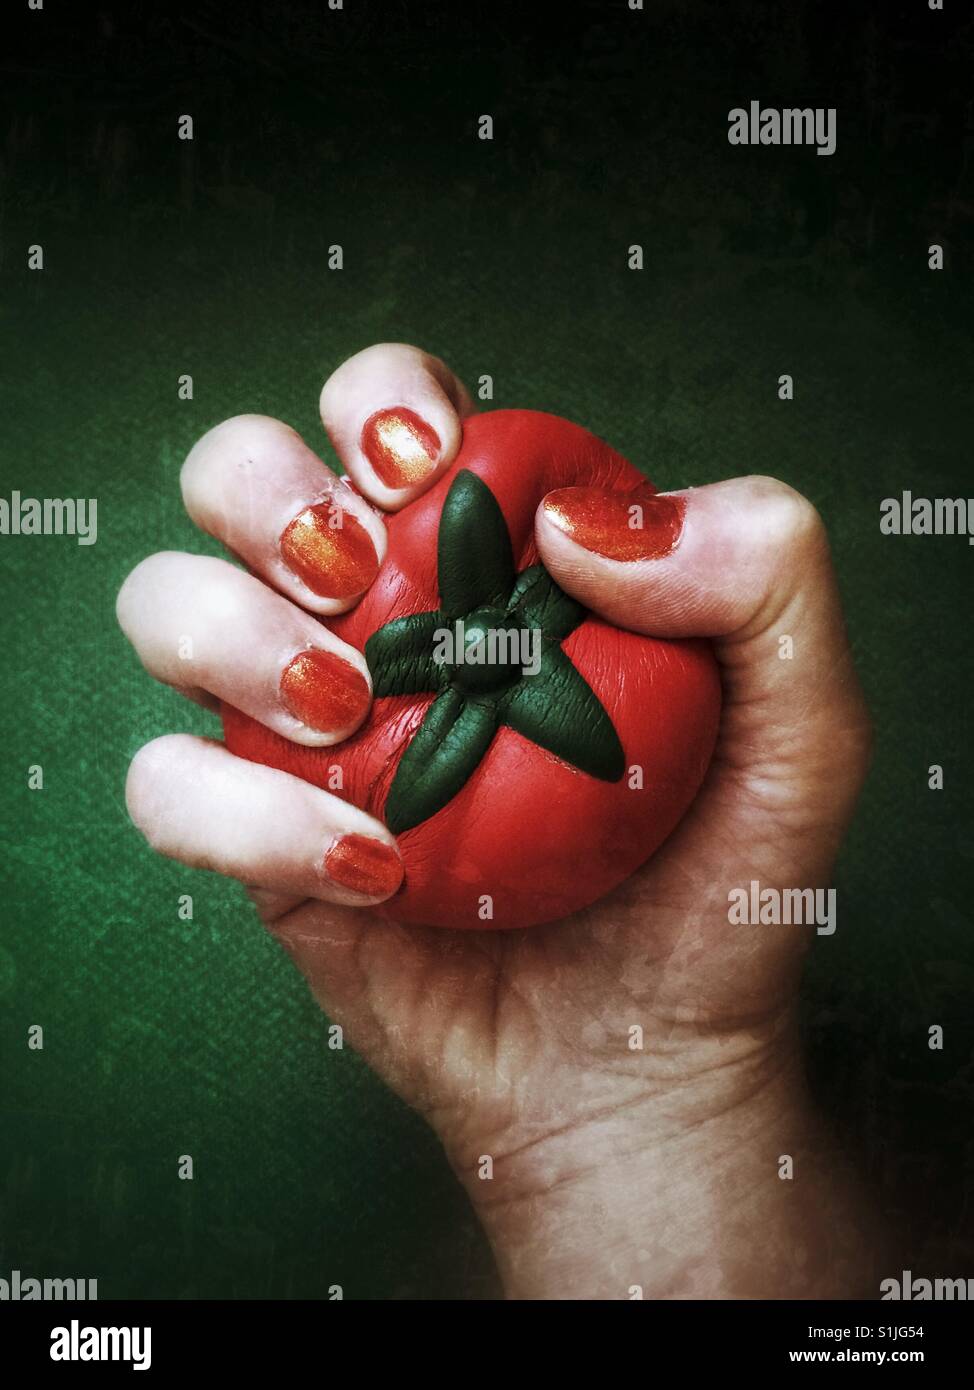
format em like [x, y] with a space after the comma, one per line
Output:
[401, 447]
[323, 691]
[330, 550]
[365, 865]
[637, 525]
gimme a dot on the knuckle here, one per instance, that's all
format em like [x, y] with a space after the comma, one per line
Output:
[378, 358]
[224, 444]
[787, 515]
[148, 574]
[145, 785]
[223, 594]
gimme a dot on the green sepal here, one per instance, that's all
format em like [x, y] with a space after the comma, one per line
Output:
[537, 601]
[444, 751]
[558, 710]
[400, 655]
[475, 563]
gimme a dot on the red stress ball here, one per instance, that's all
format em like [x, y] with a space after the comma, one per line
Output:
[527, 755]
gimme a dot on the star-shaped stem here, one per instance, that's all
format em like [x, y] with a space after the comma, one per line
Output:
[546, 701]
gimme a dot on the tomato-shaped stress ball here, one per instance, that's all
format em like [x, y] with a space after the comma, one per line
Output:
[527, 755]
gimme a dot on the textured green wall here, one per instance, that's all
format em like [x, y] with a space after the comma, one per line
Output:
[509, 258]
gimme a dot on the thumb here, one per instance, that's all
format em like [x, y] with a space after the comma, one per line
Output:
[746, 563]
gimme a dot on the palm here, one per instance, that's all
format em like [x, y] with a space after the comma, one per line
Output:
[477, 1029]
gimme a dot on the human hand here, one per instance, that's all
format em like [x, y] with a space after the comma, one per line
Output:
[612, 1165]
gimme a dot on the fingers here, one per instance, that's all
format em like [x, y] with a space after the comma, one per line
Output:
[255, 485]
[201, 624]
[197, 803]
[747, 563]
[393, 414]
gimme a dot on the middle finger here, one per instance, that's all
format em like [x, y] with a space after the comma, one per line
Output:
[254, 484]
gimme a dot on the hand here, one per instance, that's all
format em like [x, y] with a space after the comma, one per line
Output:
[613, 1166]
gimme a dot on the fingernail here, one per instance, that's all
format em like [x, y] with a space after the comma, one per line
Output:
[364, 865]
[638, 525]
[401, 447]
[330, 550]
[323, 691]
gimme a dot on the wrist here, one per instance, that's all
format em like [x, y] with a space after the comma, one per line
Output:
[680, 1192]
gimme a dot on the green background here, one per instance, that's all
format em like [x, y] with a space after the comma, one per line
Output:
[165, 1037]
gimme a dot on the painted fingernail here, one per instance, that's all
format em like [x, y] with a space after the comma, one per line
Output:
[330, 550]
[639, 525]
[323, 691]
[401, 447]
[364, 865]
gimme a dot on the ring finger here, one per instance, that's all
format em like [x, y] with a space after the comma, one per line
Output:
[199, 623]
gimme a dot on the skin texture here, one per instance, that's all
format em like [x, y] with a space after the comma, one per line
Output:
[612, 1167]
